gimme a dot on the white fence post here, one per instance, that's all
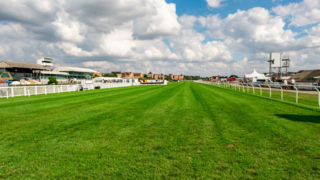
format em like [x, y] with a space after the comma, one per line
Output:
[297, 94]
[270, 94]
[7, 93]
[45, 90]
[281, 92]
[260, 89]
[12, 92]
[25, 91]
[36, 90]
[318, 90]
[253, 89]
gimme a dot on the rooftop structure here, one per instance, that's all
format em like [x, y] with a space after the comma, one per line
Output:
[45, 61]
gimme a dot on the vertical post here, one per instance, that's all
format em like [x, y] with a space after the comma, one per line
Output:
[45, 90]
[28, 92]
[12, 92]
[36, 90]
[25, 91]
[243, 88]
[239, 87]
[7, 93]
[297, 94]
[281, 92]
[270, 94]
[318, 95]
[253, 89]
[260, 89]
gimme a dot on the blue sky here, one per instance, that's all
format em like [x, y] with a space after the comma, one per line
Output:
[201, 8]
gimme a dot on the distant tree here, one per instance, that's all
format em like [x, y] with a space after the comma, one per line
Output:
[53, 80]
[145, 76]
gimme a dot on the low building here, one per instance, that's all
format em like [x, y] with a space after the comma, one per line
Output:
[155, 76]
[117, 73]
[158, 76]
[127, 75]
[137, 75]
[307, 76]
[177, 77]
[150, 75]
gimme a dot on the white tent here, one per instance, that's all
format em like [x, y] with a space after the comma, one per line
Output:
[254, 76]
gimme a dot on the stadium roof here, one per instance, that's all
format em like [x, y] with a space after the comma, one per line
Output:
[74, 69]
[12, 64]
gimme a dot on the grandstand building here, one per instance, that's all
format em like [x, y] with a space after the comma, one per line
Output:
[18, 70]
[28, 73]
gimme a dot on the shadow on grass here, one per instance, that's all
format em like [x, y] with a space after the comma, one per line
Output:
[301, 118]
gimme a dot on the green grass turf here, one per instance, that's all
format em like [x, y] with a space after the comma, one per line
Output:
[180, 131]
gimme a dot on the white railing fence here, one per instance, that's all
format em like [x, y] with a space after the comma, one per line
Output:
[258, 89]
[15, 91]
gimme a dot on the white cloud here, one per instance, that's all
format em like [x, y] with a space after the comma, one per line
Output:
[147, 35]
[300, 14]
[214, 3]
[254, 30]
[72, 49]
[69, 30]
[119, 42]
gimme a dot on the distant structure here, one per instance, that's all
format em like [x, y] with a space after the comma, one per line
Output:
[155, 76]
[127, 75]
[278, 65]
[45, 61]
